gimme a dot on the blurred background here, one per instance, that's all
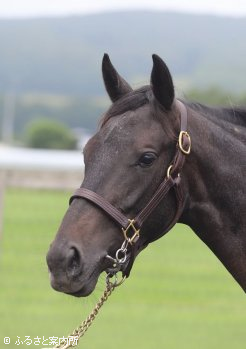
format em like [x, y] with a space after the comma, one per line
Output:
[51, 100]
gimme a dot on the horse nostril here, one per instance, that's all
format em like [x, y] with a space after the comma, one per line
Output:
[74, 261]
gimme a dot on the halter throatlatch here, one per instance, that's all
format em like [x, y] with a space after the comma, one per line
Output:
[131, 227]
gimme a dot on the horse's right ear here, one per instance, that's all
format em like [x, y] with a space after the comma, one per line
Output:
[162, 83]
[115, 85]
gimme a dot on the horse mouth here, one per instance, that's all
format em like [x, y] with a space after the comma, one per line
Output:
[85, 290]
[92, 280]
[81, 285]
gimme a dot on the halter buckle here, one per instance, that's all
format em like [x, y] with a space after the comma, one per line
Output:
[169, 171]
[132, 229]
[183, 134]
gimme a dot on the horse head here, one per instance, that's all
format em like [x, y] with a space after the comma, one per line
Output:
[126, 161]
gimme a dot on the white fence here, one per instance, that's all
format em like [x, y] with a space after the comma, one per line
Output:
[29, 168]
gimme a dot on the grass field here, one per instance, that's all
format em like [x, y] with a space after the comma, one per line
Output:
[179, 296]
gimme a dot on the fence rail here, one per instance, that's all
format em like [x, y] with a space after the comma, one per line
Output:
[38, 169]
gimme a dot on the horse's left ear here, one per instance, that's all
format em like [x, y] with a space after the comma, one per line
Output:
[115, 85]
[162, 83]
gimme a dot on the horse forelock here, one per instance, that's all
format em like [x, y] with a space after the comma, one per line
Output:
[129, 102]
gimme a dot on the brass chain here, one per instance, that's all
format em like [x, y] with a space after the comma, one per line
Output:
[81, 330]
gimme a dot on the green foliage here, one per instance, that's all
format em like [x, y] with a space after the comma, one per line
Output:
[178, 295]
[67, 61]
[205, 50]
[72, 111]
[49, 134]
[75, 112]
[210, 96]
[216, 96]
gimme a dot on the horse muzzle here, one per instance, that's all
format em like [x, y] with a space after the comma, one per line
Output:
[70, 272]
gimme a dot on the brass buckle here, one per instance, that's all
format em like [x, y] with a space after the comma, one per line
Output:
[131, 239]
[184, 151]
[169, 170]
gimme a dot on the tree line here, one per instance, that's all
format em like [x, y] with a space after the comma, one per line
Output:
[51, 121]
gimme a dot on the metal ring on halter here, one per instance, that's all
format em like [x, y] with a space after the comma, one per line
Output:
[180, 142]
[169, 170]
[121, 260]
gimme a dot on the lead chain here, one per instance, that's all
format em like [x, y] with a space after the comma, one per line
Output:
[81, 330]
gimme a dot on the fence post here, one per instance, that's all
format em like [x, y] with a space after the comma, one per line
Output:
[2, 191]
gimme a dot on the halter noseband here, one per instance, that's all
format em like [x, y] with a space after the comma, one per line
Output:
[131, 227]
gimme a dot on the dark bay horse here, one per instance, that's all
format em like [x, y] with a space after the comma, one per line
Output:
[161, 161]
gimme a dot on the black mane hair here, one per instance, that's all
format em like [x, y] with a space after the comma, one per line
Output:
[233, 115]
[144, 95]
[129, 102]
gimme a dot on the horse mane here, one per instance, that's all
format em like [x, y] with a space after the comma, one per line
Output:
[144, 95]
[232, 115]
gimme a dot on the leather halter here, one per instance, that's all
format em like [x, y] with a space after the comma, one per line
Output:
[131, 227]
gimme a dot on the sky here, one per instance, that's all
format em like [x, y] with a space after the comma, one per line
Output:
[34, 8]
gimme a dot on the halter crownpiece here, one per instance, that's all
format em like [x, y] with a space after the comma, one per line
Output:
[131, 227]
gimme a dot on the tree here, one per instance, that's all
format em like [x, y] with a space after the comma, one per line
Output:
[49, 134]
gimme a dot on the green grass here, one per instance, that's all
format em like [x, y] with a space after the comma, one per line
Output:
[179, 296]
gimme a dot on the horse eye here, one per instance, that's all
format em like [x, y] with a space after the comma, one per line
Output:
[147, 159]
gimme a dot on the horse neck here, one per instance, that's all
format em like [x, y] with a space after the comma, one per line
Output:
[216, 207]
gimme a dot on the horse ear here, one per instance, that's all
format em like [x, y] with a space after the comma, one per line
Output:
[162, 83]
[115, 85]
